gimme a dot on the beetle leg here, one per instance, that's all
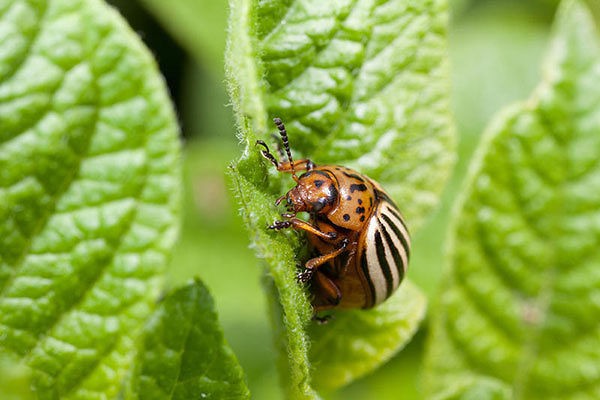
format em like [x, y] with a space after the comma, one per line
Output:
[311, 265]
[286, 166]
[327, 293]
[297, 165]
[267, 153]
[297, 223]
[288, 215]
[278, 225]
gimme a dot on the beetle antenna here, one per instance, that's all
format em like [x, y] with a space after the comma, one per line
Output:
[286, 144]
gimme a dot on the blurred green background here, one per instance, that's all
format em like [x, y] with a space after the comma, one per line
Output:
[496, 48]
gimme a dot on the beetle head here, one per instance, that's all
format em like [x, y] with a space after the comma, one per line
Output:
[315, 193]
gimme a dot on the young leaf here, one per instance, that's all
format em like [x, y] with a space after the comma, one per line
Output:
[184, 355]
[359, 83]
[89, 192]
[518, 317]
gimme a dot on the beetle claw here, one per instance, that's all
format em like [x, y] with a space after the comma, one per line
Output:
[262, 143]
[277, 225]
[305, 276]
[266, 153]
[279, 200]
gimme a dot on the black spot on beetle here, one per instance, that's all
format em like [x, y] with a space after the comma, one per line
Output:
[359, 201]
[318, 183]
[346, 217]
[348, 197]
[360, 187]
[360, 210]
[362, 218]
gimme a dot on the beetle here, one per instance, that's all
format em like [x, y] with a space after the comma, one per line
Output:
[359, 240]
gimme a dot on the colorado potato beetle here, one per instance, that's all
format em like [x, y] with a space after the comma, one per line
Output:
[359, 240]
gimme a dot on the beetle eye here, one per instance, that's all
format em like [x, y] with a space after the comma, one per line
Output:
[319, 204]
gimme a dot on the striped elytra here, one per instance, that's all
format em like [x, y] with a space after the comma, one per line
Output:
[359, 241]
[383, 251]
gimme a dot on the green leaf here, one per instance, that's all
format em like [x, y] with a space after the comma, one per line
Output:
[184, 355]
[360, 83]
[89, 192]
[14, 379]
[199, 25]
[373, 337]
[519, 314]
